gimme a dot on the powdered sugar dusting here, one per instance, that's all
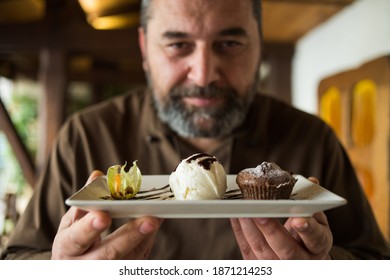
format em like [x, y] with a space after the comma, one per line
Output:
[265, 168]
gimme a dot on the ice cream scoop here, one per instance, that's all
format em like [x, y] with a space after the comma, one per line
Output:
[198, 177]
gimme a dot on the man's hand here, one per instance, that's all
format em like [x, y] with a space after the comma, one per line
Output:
[298, 238]
[78, 236]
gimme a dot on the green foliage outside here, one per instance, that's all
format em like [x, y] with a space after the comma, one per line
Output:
[22, 107]
[21, 102]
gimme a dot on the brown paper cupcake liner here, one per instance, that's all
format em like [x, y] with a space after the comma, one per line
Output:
[251, 192]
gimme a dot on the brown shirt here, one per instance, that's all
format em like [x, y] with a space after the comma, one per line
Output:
[127, 129]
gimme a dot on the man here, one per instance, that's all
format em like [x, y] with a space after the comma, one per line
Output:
[201, 59]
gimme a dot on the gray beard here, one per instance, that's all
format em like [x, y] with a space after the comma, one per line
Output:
[192, 121]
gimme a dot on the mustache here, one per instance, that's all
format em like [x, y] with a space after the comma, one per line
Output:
[210, 91]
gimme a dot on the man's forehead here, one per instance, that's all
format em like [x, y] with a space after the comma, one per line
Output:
[221, 17]
[202, 5]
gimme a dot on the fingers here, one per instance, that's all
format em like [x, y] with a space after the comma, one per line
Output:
[94, 175]
[279, 239]
[132, 241]
[70, 217]
[78, 235]
[78, 231]
[251, 241]
[78, 239]
[315, 234]
[245, 249]
[142, 251]
[314, 180]
[298, 238]
[293, 232]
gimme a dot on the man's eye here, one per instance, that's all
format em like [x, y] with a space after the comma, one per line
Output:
[228, 47]
[179, 49]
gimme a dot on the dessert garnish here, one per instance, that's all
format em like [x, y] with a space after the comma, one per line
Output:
[124, 185]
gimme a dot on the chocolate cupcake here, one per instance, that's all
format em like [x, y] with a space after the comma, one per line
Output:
[266, 181]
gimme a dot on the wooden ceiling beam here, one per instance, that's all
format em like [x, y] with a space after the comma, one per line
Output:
[288, 21]
[74, 37]
[314, 2]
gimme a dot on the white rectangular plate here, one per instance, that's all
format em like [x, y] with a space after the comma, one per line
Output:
[307, 198]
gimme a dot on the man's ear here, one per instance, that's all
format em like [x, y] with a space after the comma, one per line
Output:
[142, 46]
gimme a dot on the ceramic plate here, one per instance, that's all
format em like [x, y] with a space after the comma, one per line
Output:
[155, 199]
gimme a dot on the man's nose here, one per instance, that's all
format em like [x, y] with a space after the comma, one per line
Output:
[203, 67]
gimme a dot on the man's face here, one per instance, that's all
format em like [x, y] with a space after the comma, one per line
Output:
[202, 59]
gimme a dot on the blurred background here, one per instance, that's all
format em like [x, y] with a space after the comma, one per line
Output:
[330, 58]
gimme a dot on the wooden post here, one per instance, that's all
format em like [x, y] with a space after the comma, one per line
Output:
[279, 57]
[52, 75]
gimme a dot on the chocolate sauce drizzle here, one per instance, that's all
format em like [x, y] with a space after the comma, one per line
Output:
[205, 160]
[165, 193]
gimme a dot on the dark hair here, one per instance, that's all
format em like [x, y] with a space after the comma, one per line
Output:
[145, 13]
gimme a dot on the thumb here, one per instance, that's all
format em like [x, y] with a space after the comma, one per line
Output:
[94, 175]
[314, 180]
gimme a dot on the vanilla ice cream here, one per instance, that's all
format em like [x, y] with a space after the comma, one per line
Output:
[198, 177]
